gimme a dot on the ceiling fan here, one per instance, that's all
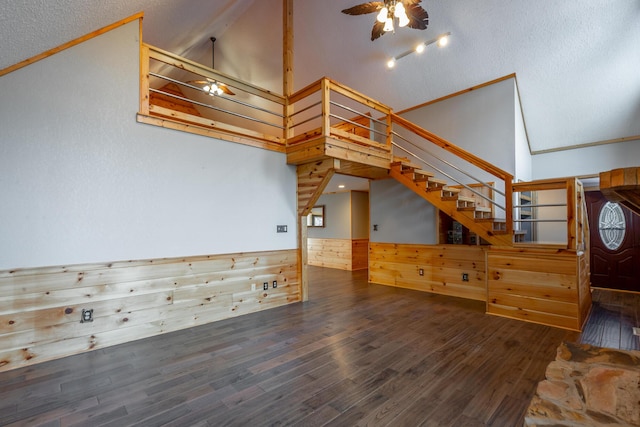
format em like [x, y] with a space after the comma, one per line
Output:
[210, 86]
[406, 12]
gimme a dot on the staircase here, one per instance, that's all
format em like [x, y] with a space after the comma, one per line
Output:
[466, 210]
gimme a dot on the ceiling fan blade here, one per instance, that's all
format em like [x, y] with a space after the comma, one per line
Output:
[377, 31]
[225, 89]
[361, 9]
[418, 17]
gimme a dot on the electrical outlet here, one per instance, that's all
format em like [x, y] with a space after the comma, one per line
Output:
[87, 316]
[421, 272]
[281, 228]
[265, 286]
[275, 283]
[465, 277]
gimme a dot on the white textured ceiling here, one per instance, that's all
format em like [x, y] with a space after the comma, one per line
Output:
[577, 62]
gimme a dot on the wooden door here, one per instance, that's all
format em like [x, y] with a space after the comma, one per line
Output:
[615, 244]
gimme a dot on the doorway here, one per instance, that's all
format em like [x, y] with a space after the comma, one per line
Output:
[615, 244]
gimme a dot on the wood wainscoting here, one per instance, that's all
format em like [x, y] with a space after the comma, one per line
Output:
[549, 286]
[40, 308]
[442, 268]
[343, 254]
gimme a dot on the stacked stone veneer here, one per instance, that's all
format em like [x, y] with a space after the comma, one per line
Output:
[588, 386]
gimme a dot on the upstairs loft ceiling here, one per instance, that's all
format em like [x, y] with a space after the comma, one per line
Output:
[577, 63]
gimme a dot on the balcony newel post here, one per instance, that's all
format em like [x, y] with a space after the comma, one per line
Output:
[325, 88]
[144, 79]
[571, 213]
[389, 132]
[508, 191]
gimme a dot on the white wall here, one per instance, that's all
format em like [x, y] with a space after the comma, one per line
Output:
[359, 215]
[81, 181]
[586, 161]
[246, 51]
[523, 171]
[337, 217]
[480, 121]
[401, 215]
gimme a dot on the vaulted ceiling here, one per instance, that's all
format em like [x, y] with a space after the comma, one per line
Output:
[577, 63]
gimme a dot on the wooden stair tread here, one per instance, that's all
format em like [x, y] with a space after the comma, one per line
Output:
[467, 199]
[451, 189]
[405, 164]
[424, 172]
[422, 175]
[437, 181]
[482, 209]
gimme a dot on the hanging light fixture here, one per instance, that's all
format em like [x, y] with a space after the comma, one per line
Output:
[392, 13]
[392, 10]
[210, 86]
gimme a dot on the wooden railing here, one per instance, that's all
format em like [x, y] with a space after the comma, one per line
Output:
[553, 212]
[326, 108]
[169, 89]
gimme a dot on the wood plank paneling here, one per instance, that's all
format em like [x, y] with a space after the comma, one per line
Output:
[442, 267]
[537, 286]
[359, 254]
[343, 254]
[40, 308]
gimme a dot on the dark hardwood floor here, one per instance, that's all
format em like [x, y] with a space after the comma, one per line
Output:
[355, 354]
[612, 319]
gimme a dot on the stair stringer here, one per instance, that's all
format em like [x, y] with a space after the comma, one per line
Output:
[312, 180]
[483, 228]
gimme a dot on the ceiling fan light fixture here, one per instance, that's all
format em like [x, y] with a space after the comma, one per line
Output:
[388, 25]
[400, 13]
[212, 89]
[390, 13]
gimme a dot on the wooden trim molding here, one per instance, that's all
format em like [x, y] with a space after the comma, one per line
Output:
[462, 92]
[40, 308]
[67, 45]
[588, 144]
[181, 126]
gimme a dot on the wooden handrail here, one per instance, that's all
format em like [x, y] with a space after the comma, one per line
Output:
[341, 89]
[305, 91]
[541, 185]
[453, 149]
[357, 96]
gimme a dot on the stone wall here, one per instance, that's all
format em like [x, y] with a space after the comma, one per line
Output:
[588, 386]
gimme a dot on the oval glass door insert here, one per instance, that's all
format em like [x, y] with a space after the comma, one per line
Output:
[612, 225]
